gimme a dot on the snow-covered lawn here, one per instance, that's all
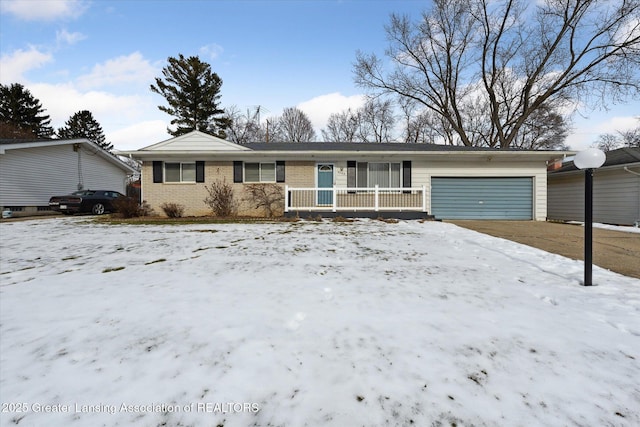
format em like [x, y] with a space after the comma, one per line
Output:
[627, 229]
[307, 324]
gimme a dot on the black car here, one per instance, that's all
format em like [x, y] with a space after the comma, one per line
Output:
[95, 201]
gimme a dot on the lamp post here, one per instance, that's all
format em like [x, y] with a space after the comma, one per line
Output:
[589, 159]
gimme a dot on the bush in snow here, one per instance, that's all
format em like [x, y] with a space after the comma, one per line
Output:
[221, 199]
[128, 207]
[173, 210]
[268, 197]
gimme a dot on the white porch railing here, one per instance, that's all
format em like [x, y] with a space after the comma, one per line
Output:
[337, 199]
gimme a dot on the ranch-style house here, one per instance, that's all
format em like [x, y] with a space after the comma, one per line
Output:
[363, 179]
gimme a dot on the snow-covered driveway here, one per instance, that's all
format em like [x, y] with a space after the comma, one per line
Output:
[307, 324]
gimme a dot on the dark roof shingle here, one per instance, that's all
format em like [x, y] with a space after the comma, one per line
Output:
[25, 141]
[621, 156]
[357, 146]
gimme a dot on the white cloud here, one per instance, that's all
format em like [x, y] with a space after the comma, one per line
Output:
[131, 68]
[127, 111]
[63, 37]
[620, 123]
[321, 107]
[15, 65]
[44, 10]
[138, 135]
[129, 122]
[587, 130]
[629, 31]
[211, 51]
[110, 110]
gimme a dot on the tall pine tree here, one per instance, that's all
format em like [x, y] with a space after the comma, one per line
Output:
[21, 114]
[192, 91]
[83, 125]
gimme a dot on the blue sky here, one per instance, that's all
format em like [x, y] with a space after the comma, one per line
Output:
[102, 56]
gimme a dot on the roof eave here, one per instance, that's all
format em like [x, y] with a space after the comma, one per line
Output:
[581, 171]
[41, 143]
[313, 154]
[58, 142]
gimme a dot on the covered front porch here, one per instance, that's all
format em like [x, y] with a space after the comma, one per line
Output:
[400, 202]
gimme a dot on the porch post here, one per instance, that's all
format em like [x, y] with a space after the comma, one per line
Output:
[424, 198]
[335, 199]
[377, 202]
[286, 198]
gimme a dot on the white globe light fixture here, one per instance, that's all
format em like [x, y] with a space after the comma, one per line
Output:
[589, 159]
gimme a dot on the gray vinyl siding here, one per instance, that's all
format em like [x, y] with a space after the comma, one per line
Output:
[30, 176]
[616, 196]
[424, 171]
[482, 198]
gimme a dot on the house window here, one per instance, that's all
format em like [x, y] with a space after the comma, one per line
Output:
[180, 172]
[384, 175]
[259, 172]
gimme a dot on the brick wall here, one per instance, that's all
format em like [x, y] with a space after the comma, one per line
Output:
[300, 174]
[192, 195]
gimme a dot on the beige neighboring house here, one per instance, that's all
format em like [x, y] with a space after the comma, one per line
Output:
[31, 171]
[616, 190]
[363, 179]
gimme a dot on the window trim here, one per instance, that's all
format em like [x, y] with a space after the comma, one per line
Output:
[260, 180]
[389, 171]
[181, 181]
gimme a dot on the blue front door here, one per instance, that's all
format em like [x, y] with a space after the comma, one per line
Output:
[325, 180]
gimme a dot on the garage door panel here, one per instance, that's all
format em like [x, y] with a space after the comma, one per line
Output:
[482, 198]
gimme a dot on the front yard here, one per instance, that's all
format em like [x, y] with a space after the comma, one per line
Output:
[307, 323]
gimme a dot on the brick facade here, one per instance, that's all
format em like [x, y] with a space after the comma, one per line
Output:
[192, 195]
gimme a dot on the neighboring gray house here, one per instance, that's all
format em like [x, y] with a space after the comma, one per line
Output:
[616, 190]
[31, 171]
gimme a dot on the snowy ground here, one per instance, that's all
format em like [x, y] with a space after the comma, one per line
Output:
[627, 229]
[307, 324]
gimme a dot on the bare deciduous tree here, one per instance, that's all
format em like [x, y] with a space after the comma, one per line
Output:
[342, 127]
[244, 128]
[376, 121]
[292, 126]
[373, 122]
[631, 138]
[423, 125]
[513, 58]
[545, 129]
[608, 142]
[612, 141]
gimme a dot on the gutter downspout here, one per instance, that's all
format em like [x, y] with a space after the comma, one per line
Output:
[630, 171]
[78, 149]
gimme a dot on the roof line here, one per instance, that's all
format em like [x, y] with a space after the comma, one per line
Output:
[633, 153]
